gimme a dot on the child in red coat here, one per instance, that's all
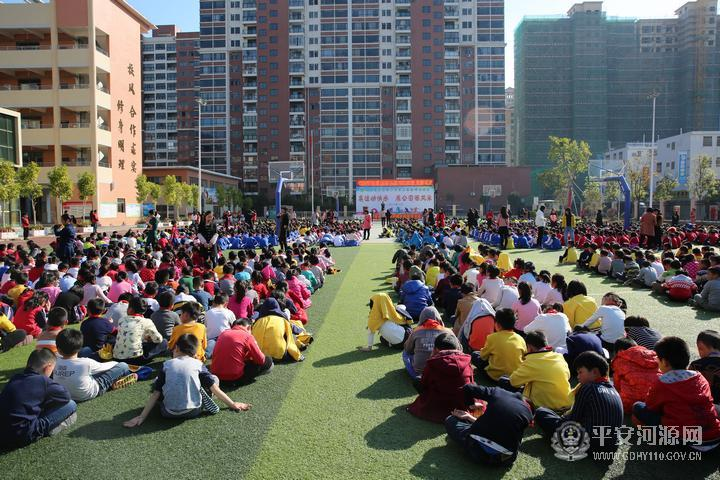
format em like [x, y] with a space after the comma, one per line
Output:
[446, 372]
[635, 370]
[679, 397]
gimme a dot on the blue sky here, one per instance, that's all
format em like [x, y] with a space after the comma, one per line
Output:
[185, 14]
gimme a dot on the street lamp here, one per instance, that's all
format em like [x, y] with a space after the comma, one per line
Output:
[653, 96]
[201, 103]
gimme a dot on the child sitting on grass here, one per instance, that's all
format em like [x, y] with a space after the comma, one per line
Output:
[85, 378]
[679, 397]
[182, 387]
[635, 369]
[189, 313]
[597, 404]
[56, 321]
[544, 375]
[32, 405]
[445, 374]
[708, 345]
[96, 329]
[493, 437]
[504, 350]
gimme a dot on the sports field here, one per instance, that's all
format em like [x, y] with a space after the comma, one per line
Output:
[339, 414]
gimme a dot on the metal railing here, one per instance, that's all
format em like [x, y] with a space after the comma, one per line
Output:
[74, 86]
[74, 125]
[26, 86]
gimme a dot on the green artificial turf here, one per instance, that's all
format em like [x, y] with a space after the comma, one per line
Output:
[340, 414]
[219, 446]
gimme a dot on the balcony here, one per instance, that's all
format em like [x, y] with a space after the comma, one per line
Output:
[452, 92]
[402, 39]
[296, 3]
[37, 135]
[26, 96]
[26, 57]
[402, 25]
[295, 97]
[452, 119]
[452, 133]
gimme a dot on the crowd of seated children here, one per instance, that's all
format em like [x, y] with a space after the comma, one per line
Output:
[679, 397]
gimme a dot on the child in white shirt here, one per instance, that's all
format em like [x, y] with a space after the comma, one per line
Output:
[85, 378]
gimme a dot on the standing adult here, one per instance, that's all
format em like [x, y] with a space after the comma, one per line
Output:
[676, 217]
[25, 226]
[440, 218]
[94, 220]
[599, 219]
[647, 228]
[284, 218]
[388, 217]
[431, 218]
[540, 223]
[382, 214]
[152, 223]
[568, 224]
[65, 238]
[503, 227]
[658, 228]
[553, 218]
[367, 223]
[693, 215]
[471, 219]
[208, 236]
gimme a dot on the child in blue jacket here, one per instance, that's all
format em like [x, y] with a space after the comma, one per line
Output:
[32, 405]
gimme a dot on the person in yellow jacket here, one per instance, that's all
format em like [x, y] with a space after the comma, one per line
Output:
[503, 262]
[570, 256]
[579, 306]
[504, 350]
[431, 276]
[393, 326]
[11, 336]
[277, 336]
[545, 375]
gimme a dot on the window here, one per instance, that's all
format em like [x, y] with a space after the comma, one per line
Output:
[121, 205]
[707, 142]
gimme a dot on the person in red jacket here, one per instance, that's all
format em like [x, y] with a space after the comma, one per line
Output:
[237, 357]
[679, 397]
[25, 226]
[680, 287]
[635, 370]
[446, 372]
[30, 315]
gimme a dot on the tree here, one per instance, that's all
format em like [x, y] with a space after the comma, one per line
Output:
[703, 183]
[27, 179]
[154, 194]
[86, 187]
[665, 189]
[222, 196]
[142, 188]
[592, 200]
[60, 186]
[171, 192]
[193, 193]
[8, 186]
[612, 194]
[570, 159]
[639, 180]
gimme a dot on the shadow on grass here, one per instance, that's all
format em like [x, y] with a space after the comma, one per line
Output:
[539, 447]
[450, 461]
[113, 429]
[401, 431]
[353, 356]
[395, 384]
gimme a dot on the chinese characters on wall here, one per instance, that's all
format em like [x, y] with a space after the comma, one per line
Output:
[127, 138]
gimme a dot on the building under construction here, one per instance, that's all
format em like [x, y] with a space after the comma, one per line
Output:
[591, 77]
